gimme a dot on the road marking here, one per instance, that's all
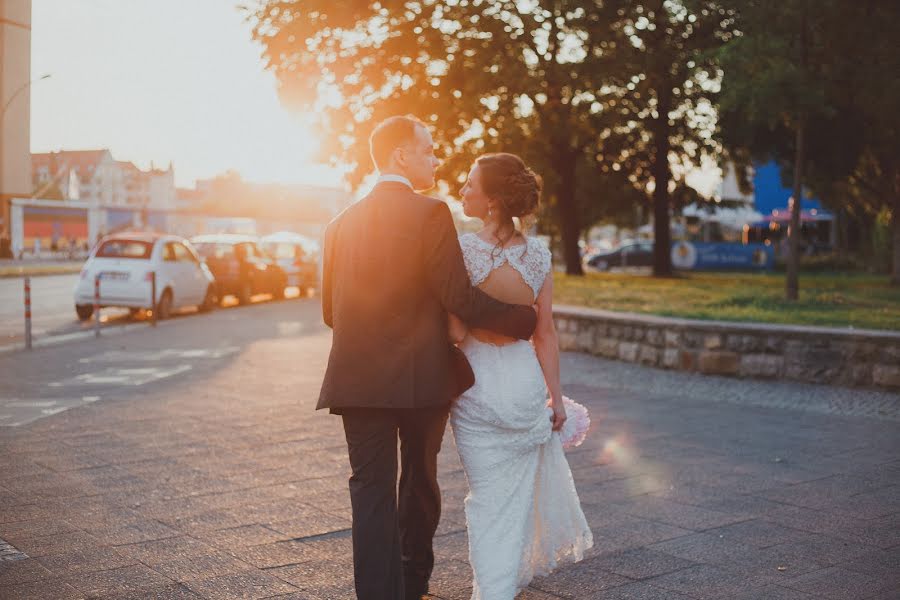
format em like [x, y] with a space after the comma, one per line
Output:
[158, 355]
[115, 376]
[21, 411]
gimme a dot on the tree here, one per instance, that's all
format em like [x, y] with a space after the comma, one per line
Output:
[662, 84]
[510, 75]
[817, 82]
[773, 87]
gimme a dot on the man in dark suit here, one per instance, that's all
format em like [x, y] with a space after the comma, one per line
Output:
[392, 270]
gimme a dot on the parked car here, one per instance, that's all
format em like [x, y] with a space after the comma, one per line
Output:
[298, 257]
[125, 262]
[240, 267]
[638, 254]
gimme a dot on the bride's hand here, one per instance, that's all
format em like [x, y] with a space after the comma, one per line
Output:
[559, 414]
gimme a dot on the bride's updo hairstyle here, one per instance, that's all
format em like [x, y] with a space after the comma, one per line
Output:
[514, 188]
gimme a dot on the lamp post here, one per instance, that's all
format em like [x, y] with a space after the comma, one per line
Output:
[21, 89]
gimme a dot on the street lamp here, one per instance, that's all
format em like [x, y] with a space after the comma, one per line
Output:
[21, 89]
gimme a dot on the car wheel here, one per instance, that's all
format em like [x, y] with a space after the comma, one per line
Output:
[210, 300]
[245, 293]
[602, 265]
[164, 307]
[84, 311]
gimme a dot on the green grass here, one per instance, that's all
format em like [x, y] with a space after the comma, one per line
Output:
[833, 300]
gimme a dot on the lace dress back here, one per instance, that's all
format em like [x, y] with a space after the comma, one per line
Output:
[532, 260]
[522, 511]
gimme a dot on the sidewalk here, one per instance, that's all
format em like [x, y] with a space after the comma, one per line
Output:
[223, 483]
[21, 268]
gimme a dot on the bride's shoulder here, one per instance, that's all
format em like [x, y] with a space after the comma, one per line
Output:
[468, 240]
[538, 246]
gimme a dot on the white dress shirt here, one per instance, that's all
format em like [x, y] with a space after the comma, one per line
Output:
[395, 178]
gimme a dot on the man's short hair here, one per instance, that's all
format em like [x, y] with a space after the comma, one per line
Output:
[389, 135]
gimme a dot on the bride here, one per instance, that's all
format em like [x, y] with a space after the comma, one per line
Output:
[522, 511]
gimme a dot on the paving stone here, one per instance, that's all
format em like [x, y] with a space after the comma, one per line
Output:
[279, 554]
[574, 580]
[175, 591]
[93, 559]
[139, 531]
[41, 590]
[835, 583]
[204, 566]
[821, 493]
[882, 564]
[158, 551]
[303, 528]
[640, 590]
[250, 585]
[704, 548]
[773, 592]
[57, 544]
[680, 515]
[759, 533]
[121, 580]
[23, 571]
[639, 563]
[631, 532]
[241, 537]
[707, 582]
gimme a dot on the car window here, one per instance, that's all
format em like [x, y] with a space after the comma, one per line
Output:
[215, 250]
[169, 252]
[182, 253]
[283, 250]
[125, 249]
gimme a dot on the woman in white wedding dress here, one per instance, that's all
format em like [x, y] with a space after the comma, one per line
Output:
[522, 511]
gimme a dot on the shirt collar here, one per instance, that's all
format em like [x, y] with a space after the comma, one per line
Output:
[395, 178]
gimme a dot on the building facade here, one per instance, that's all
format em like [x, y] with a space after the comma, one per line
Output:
[15, 105]
[102, 180]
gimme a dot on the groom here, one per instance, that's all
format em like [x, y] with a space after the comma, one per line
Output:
[392, 270]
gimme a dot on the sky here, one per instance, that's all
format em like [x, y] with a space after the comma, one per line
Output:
[160, 81]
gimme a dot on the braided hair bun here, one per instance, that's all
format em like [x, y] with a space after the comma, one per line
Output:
[514, 187]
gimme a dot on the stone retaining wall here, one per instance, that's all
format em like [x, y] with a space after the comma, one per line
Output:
[861, 358]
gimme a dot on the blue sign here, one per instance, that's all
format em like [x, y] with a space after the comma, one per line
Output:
[715, 256]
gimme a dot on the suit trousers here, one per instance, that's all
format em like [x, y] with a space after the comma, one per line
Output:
[393, 533]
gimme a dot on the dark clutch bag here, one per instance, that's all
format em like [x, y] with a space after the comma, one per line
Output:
[462, 377]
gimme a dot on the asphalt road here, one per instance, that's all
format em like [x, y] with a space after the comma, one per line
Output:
[53, 311]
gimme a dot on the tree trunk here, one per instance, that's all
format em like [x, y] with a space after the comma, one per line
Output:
[792, 284]
[662, 237]
[567, 210]
[895, 228]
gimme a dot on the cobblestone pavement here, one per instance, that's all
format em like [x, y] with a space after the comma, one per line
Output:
[187, 462]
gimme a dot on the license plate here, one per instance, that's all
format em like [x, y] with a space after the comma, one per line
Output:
[114, 275]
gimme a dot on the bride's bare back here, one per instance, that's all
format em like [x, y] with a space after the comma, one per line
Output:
[506, 284]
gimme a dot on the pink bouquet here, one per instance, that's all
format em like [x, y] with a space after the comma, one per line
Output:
[578, 421]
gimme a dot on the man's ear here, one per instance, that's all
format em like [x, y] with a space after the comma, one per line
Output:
[398, 157]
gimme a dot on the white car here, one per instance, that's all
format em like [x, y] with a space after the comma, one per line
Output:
[125, 263]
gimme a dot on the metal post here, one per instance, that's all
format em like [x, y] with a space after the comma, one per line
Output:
[153, 298]
[28, 313]
[97, 305]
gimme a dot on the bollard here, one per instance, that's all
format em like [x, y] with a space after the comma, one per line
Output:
[153, 298]
[28, 313]
[97, 305]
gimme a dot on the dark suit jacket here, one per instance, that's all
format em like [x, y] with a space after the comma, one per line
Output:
[392, 270]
